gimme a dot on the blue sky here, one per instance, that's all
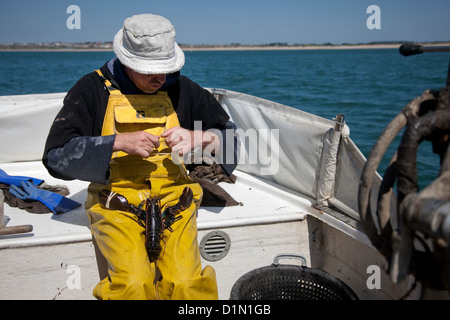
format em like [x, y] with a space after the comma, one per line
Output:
[232, 21]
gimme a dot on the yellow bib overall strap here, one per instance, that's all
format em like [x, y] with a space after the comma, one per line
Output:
[118, 235]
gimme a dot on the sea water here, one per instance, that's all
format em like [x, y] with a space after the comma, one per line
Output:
[368, 86]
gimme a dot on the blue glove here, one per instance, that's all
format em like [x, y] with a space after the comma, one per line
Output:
[15, 180]
[55, 202]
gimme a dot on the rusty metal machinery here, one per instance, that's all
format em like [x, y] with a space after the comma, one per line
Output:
[412, 230]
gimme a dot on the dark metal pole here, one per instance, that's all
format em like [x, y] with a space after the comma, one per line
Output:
[410, 48]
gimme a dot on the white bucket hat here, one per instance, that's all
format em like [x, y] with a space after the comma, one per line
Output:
[146, 44]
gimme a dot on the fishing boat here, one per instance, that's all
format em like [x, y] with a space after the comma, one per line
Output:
[298, 185]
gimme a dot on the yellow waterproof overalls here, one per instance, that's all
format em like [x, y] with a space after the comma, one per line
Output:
[119, 236]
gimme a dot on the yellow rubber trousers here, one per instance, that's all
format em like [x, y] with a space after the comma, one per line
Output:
[130, 274]
[177, 274]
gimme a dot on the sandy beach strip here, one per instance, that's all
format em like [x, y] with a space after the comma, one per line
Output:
[294, 47]
[305, 47]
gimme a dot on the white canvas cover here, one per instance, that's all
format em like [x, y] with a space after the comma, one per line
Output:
[24, 124]
[300, 136]
[309, 157]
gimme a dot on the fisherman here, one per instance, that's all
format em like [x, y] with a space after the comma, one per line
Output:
[118, 128]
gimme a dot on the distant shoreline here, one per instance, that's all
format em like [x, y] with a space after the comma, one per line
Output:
[189, 48]
[299, 47]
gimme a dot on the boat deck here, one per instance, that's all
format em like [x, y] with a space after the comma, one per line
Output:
[73, 226]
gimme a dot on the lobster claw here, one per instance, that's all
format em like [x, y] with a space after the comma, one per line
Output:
[186, 198]
[183, 203]
[112, 200]
[115, 201]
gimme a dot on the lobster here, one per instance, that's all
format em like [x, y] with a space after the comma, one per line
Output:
[152, 218]
[153, 228]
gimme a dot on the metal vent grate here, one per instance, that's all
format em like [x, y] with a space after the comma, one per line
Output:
[215, 245]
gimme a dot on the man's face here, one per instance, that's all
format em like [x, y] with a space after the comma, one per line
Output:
[148, 83]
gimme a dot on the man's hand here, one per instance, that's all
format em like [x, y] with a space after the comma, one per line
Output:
[138, 143]
[182, 141]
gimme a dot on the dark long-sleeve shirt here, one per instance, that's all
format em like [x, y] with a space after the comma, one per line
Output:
[75, 148]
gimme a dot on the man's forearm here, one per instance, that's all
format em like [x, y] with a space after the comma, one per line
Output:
[83, 158]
